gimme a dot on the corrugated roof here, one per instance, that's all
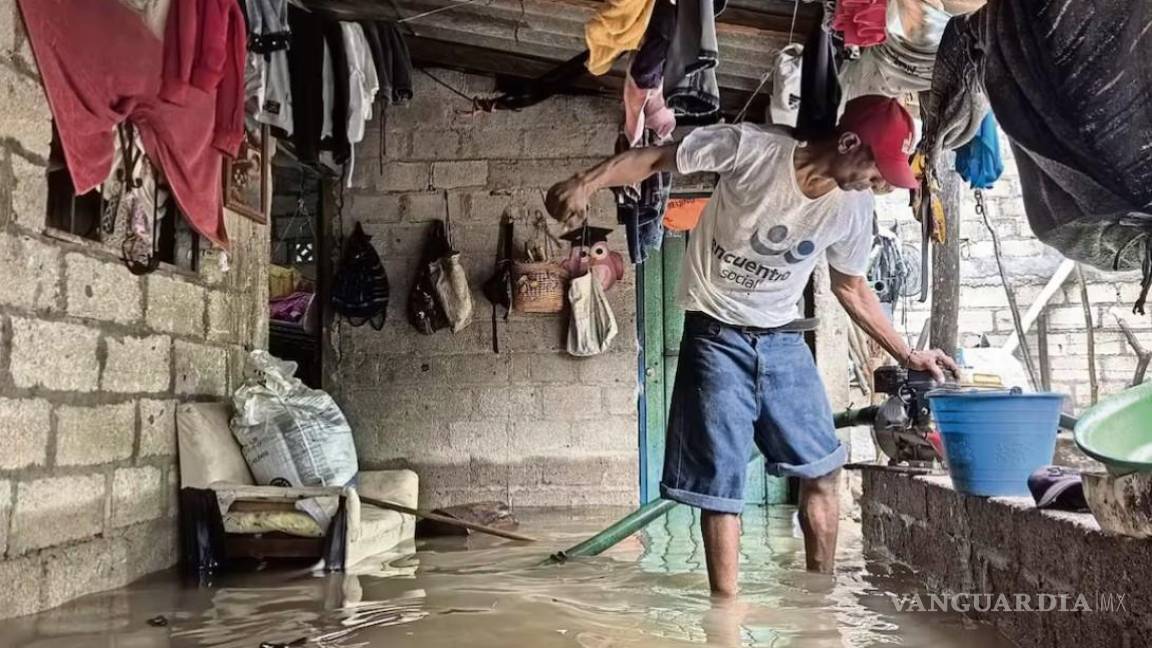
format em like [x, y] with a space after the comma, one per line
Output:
[520, 37]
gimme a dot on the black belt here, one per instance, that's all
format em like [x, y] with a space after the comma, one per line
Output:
[795, 326]
[268, 43]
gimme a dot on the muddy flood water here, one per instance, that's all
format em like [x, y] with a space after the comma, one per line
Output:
[482, 592]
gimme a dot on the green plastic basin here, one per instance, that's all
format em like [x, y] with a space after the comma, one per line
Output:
[1117, 432]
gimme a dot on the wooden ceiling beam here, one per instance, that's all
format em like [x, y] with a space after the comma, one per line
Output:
[772, 17]
[517, 67]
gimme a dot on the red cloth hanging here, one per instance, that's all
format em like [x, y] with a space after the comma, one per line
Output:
[861, 21]
[100, 65]
[205, 46]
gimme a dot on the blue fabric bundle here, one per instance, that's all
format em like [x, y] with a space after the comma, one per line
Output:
[978, 161]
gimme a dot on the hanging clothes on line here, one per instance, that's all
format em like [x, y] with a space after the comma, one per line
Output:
[644, 103]
[394, 66]
[861, 21]
[690, 86]
[363, 87]
[955, 108]
[819, 87]
[647, 66]
[616, 28]
[268, 86]
[904, 62]
[784, 104]
[90, 95]
[646, 110]
[337, 143]
[978, 161]
[327, 95]
[306, 59]
[205, 46]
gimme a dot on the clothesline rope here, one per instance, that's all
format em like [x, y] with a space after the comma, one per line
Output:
[446, 85]
[432, 12]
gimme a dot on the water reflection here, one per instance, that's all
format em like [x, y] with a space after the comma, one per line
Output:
[649, 591]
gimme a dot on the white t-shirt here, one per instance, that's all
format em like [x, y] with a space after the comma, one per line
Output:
[759, 237]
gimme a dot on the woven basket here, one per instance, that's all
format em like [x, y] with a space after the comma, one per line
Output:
[539, 287]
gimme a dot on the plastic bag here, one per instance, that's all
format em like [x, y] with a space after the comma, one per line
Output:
[291, 435]
[452, 291]
[592, 326]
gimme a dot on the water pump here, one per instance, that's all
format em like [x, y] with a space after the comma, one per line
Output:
[902, 426]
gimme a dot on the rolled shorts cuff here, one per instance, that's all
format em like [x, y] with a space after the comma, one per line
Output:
[812, 469]
[706, 502]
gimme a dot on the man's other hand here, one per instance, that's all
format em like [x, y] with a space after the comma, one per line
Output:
[567, 202]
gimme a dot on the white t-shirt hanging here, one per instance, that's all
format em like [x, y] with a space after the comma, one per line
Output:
[362, 87]
[784, 105]
[327, 92]
[759, 237]
[362, 79]
[266, 75]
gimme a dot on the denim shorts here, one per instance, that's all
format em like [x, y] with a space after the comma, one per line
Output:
[734, 388]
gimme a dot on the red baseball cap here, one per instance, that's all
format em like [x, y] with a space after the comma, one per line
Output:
[884, 125]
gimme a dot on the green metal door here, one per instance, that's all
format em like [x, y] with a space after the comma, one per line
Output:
[663, 327]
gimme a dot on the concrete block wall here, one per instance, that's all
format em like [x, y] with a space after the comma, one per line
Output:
[530, 425]
[962, 544]
[1029, 264]
[93, 361]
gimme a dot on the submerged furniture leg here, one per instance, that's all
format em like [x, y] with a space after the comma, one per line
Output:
[643, 516]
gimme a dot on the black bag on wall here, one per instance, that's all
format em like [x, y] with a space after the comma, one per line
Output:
[424, 310]
[360, 288]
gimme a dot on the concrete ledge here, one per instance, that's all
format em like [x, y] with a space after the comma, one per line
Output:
[974, 545]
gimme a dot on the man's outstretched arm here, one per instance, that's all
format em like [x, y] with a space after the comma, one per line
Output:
[856, 296]
[568, 200]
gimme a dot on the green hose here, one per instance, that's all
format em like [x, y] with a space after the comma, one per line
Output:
[619, 530]
[852, 418]
[644, 515]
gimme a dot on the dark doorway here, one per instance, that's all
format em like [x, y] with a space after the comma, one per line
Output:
[296, 281]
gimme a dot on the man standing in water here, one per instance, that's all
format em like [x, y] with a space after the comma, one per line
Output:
[745, 373]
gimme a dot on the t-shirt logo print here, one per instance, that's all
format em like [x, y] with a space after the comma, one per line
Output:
[775, 243]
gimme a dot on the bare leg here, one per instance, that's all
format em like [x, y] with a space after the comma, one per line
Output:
[724, 622]
[820, 520]
[722, 550]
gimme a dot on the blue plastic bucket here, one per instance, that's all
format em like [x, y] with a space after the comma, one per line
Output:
[993, 440]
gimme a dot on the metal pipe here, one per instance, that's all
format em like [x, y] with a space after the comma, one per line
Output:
[643, 516]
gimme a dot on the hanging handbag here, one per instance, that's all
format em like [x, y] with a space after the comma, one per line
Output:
[425, 313]
[592, 325]
[451, 283]
[360, 287]
[540, 282]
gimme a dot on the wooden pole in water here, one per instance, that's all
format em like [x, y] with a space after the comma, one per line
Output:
[444, 519]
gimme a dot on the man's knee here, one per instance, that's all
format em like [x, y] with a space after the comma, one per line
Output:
[828, 484]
